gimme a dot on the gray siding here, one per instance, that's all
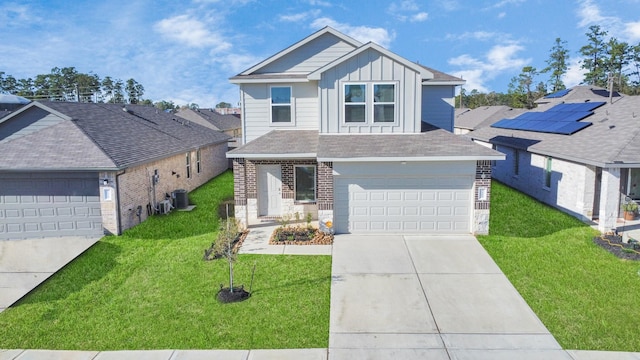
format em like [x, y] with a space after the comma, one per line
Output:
[310, 56]
[370, 66]
[28, 122]
[438, 106]
[256, 108]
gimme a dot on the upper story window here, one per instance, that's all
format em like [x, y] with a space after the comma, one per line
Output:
[369, 103]
[354, 103]
[281, 104]
[384, 102]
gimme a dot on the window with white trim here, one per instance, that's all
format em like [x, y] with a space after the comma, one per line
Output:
[384, 103]
[355, 104]
[188, 163]
[305, 183]
[281, 104]
[198, 158]
[547, 172]
[369, 103]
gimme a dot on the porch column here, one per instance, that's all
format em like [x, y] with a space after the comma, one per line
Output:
[239, 192]
[609, 199]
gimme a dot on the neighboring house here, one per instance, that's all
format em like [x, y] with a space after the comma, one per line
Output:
[228, 124]
[83, 169]
[334, 128]
[468, 120]
[9, 103]
[582, 157]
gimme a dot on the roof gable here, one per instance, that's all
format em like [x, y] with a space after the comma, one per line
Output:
[326, 35]
[425, 73]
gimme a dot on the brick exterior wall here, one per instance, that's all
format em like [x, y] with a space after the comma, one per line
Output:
[134, 187]
[246, 187]
[483, 180]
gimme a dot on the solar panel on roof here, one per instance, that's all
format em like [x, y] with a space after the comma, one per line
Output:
[558, 94]
[561, 119]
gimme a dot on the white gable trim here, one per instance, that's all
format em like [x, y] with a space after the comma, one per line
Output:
[308, 39]
[425, 74]
[36, 104]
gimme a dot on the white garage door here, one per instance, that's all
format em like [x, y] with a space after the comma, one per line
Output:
[425, 204]
[38, 205]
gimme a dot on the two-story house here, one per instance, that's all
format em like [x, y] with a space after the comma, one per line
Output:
[358, 135]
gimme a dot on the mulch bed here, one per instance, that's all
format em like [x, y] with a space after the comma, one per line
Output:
[614, 245]
[239, 294]
[300, 236]
[210, 254]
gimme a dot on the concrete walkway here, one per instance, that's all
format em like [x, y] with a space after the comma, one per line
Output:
[397, 297]
[25, 264]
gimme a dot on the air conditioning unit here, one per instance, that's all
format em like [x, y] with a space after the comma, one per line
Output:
[164, 207]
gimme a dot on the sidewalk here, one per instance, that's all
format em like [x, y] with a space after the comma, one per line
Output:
[396, 297]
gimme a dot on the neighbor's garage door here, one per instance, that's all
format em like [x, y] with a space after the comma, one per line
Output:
[410, 203]
[36, 205]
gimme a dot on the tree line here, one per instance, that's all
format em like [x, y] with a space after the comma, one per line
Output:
[68, 84]
[608, 63]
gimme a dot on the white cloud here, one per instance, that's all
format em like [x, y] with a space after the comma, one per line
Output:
[407, 10]
[421, 16]
[475, 35]
[16, 15]
[191, 32]
[300, 16]
[502, 15]
[589, 14]
[449, 5]
[504, 3]
[364, 34]
[319, 3]
[498, 60]
[574, 75]
[632, 30]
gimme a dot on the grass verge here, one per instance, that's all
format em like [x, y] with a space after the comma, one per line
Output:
[584, 295]
[150, 289]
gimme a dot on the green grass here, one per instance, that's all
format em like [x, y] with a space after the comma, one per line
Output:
[150, 289]
[586, 297]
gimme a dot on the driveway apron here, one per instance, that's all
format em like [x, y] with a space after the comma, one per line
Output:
[428, 297]
[25, 264]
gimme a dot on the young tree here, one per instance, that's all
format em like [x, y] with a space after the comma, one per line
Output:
[557, 65]
[224, 244]
[594, 53]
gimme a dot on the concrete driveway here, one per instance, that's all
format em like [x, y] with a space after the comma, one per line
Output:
[25, 264]
[428, 297]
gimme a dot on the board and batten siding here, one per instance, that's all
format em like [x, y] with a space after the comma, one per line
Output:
[256, 108]
[370, 66]
[438, 105]
[310, 56]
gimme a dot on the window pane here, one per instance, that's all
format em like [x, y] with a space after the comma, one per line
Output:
[305, 183]
[281, 95]
[281, 113]
[354, 93]
[354, 113]
[384, 93]
[384, 113]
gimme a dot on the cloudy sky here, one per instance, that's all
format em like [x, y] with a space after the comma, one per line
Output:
[185, 51]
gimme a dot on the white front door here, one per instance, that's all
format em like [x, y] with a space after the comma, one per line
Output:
[269, 190]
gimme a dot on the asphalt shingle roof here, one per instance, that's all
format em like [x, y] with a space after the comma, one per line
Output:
[432, 143]
[125, 138]
[483, 116]
[613, 137]
[221, 122]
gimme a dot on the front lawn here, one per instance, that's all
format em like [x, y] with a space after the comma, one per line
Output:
[150, 289]
[586, 297]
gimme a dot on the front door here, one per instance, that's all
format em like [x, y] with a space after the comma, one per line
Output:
[269, 190]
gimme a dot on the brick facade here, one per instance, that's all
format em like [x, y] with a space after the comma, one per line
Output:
[246, 187]
[134, 187]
